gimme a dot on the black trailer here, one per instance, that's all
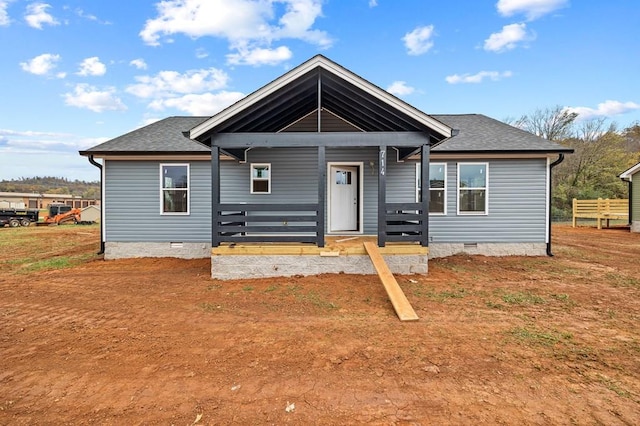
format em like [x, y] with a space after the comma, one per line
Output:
[18, 217]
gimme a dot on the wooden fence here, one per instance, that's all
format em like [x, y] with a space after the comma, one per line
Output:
[600, 209]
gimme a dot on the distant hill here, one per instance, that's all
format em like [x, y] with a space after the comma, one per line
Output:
[52, 185]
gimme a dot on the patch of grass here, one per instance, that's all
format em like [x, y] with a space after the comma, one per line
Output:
[536, 337]
[247, 288]
[441, 296]
[614, 386]
[316, 300]
[54, 263]
[214, 287]
[522, 298]
[493, 305]
[271, 288]
[621, 280]
[210, 307]
[564, 299]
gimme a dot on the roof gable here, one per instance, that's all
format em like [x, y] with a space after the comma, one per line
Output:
[320, 84]
[628, 174]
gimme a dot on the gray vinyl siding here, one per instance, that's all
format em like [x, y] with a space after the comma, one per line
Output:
[132, 204]
[517, 205]
[294, 178]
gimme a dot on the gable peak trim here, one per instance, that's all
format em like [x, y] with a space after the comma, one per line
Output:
[320, 61]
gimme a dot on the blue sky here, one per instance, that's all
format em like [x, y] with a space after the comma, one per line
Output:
[76, 73]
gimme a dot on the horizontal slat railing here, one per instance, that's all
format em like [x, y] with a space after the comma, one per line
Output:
[236, 222]
[404, 223]
[600, 209]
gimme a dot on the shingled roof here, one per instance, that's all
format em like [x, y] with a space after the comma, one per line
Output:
[478, 133]
[168, 136]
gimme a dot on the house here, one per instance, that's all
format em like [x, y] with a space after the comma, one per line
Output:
[35, 200]
[318, 156]
[634, 195]
[90, 214]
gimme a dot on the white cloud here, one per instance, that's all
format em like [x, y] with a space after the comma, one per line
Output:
[532, 9]
[170, 83]
[478, 77]
[373, 3]
[139, 64]
[204, 104]
[201, 53]
[419, 40]
[4, 15]
[508, 38]
[41, 64]
[92, 66]
[89, 97]
[35, 141]
[400, 88]
[605, 109]
[245, 24]
[260, 56]
[37, 15]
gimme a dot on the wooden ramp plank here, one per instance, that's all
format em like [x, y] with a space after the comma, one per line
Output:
[400, 303]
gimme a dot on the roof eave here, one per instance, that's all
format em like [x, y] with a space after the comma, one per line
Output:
[506, 151]
[145, 153]
[626, 175]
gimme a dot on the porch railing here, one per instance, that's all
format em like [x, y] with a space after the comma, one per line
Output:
[302, 223]
[237, 222]
[403, 223]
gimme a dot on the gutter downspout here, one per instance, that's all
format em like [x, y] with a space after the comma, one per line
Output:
[551, 166]
[99, 166]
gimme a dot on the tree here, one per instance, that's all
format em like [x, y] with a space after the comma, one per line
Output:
[600, 155]
[554, 124]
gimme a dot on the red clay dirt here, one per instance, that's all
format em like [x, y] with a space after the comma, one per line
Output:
[514, 340]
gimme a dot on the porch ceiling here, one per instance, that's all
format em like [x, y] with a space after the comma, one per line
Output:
[316, 90]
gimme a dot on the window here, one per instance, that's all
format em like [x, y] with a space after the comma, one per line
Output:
[261, 178]
[473, 181]
[343, 177]
[174, 183]
[437, 187]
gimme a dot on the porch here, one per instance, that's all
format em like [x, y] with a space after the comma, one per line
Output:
[340, 254]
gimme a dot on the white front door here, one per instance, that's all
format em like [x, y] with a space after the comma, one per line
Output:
[343, 198]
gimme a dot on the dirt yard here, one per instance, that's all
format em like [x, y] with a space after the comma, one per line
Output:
[156, 341]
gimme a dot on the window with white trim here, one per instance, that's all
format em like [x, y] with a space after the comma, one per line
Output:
[174, 188]
[261, 178]
[473, 181]
[437, 187]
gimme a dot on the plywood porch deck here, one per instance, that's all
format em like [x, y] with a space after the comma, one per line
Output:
[335, 245]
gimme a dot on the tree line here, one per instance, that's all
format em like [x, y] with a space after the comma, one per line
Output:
[601, 153]
[52, 185]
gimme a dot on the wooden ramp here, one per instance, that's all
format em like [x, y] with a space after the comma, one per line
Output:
[400, 303]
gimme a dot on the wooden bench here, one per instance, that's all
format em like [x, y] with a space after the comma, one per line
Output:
[600, 209]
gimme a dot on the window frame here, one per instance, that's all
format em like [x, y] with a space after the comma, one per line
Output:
[252, 179]
[485, 212]
[163, 189]
[444, 189]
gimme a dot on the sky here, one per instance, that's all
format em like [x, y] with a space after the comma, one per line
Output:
[76, 73]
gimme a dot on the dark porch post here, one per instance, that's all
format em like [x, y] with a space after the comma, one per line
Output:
[382, 195]
[322, 190]
[424, 196]
[215, 194]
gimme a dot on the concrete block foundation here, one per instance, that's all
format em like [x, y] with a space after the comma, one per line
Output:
[120, 250]
[261, 266]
